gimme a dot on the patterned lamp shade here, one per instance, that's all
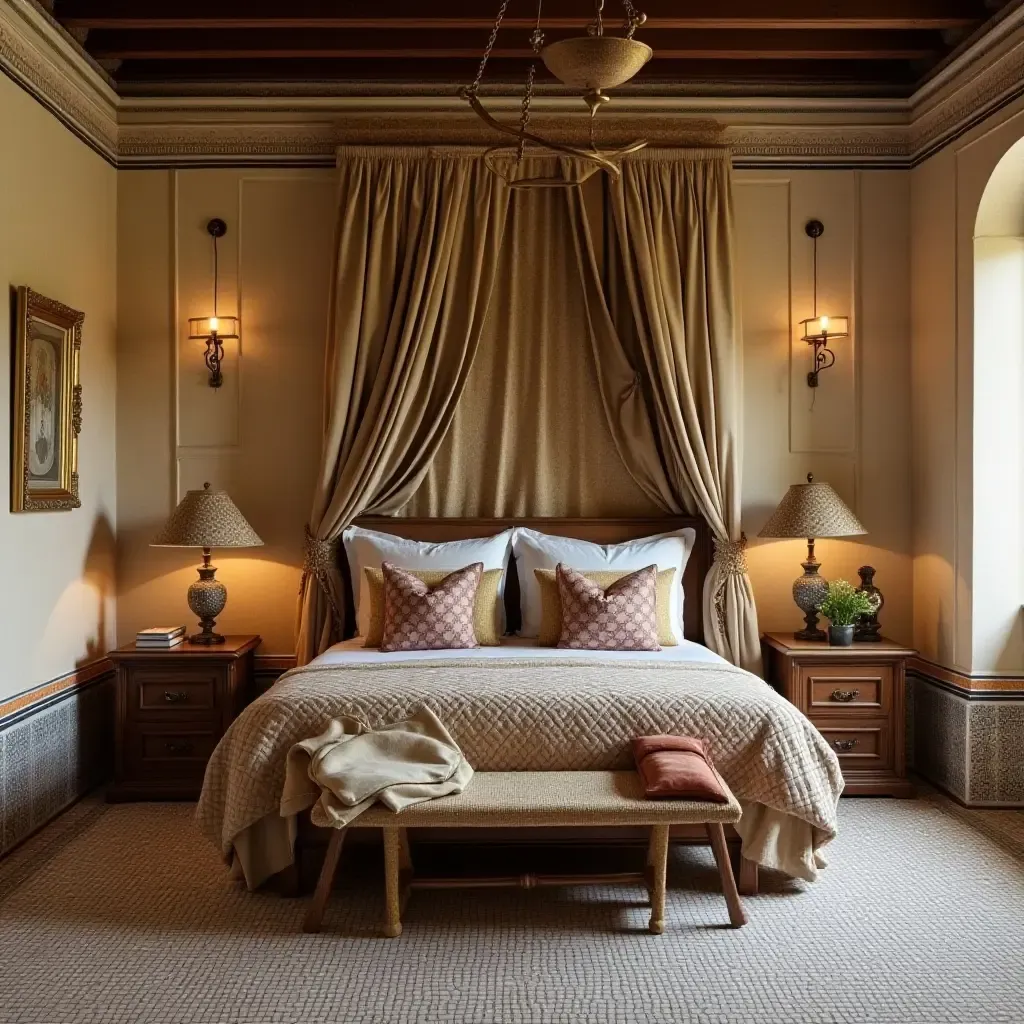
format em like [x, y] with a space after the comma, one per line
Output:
[812, 510]
[207, 519]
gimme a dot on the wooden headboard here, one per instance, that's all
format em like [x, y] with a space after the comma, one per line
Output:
[599, 531]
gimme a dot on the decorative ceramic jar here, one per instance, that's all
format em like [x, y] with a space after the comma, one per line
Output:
[869, 630]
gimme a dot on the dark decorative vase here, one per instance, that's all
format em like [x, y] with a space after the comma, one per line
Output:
[840, 636]
[869, 630]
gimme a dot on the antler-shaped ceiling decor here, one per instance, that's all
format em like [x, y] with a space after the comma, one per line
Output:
[591, 63]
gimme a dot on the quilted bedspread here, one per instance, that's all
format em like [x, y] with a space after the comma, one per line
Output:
[550, 715]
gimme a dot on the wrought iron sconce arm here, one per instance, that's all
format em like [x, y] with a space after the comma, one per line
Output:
[824, 358]
[213, 358]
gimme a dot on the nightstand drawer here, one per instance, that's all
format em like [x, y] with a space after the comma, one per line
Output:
[169, 690]
[177, 751]
[846, 690]
[863, 746]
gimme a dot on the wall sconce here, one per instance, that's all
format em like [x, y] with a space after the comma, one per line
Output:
[214, 329]
[819, 329]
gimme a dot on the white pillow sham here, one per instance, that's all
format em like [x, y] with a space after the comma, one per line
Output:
[535, 550]
[370, 548]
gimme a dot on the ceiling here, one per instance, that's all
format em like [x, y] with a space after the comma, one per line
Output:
[814, 47]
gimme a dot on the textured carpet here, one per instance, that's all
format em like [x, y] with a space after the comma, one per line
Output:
[123, 914]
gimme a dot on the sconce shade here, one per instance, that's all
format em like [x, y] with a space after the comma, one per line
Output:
[818, 328]
[201, 327]
[812, 510]
[207, 519]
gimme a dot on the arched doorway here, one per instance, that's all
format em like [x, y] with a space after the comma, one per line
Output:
[998, 465]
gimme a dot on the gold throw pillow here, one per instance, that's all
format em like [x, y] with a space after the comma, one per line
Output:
[551, 602]
[487, 609]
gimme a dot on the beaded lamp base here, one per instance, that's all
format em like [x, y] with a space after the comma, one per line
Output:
[207, 597]
[809, 591]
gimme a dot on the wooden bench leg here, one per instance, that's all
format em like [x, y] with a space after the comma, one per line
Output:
[395, 892]
[716, 834]
[657, 860]
[315, 914]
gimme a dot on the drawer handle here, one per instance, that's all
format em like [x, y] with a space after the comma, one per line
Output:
[845, 696]
[175, 696]
[844, 744]
[179, 748]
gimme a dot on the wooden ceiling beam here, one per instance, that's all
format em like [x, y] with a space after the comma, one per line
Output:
[169, 15]
[377, 44]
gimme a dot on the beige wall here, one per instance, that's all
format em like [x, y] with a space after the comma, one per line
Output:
[857, 434]
[959, 619]
[58, 204]
[258, 436]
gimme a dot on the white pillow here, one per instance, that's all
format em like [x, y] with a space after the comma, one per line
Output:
[535, 550]
[369, 548]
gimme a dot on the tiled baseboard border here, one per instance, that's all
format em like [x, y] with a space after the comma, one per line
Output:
[965, 734]
[56, 744]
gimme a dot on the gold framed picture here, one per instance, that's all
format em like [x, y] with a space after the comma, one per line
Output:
[47, 405]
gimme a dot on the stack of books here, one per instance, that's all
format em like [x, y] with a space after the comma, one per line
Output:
[160, 637]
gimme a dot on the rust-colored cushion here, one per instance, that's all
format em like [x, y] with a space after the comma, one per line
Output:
[678, 767]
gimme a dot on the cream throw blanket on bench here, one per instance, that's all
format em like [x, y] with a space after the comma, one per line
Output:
[349, 767]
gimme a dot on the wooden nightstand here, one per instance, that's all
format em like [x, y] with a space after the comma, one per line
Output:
[172, 708]
[856, 696]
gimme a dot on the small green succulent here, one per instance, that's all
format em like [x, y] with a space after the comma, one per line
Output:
[845, 604]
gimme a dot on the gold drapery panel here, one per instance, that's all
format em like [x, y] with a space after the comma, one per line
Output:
[671, 256]
[418, 237]
[530, 436]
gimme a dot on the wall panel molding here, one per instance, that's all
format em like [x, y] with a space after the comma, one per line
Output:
[267, 126]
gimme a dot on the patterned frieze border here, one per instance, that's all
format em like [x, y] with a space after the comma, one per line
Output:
[260, 128]
[37, 54]
[193, 139]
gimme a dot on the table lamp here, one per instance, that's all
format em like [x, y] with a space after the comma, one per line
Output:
[811, 510]
[207, 519]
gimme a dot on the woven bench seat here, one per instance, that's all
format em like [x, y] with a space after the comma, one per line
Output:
[539, 799]
[513, 799]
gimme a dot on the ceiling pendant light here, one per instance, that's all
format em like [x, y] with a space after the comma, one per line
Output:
[591, 63]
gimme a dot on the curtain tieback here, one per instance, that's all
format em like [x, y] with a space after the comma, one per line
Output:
[730, 556]
[318, 559]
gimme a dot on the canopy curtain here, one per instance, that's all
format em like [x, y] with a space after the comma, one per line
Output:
[418, 236]
[530, 436]
[678, 354]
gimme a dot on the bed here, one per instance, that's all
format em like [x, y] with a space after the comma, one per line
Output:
[520, 707]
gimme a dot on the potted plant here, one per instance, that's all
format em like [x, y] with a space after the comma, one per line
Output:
[843, 608]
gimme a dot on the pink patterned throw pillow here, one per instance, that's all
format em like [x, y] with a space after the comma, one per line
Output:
[422, 618]
[622, 618]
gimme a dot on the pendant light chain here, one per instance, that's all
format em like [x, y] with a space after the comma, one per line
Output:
[537, 43]
[634, 18]
[473, 89]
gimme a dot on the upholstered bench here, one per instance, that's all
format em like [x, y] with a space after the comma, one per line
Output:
[538, 799]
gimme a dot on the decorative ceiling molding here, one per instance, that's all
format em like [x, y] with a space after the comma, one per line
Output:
[37, 54]
[985, 78]
[263, 129]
